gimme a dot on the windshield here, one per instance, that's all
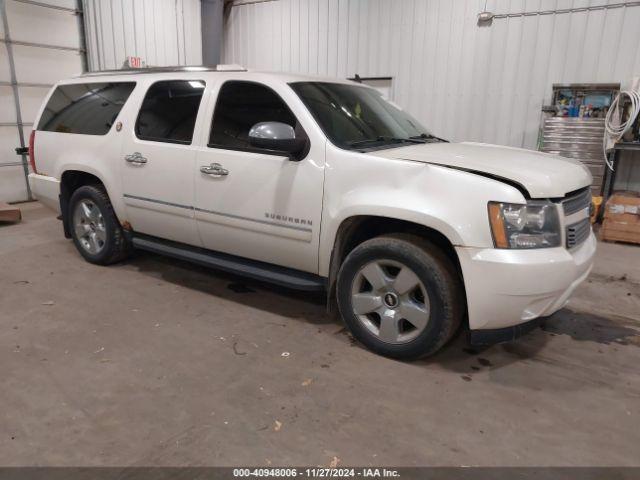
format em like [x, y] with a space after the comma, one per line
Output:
[358, 118]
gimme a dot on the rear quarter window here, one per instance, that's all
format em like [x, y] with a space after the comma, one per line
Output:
[85, 108]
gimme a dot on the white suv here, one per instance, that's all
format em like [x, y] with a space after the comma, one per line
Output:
[316, 184]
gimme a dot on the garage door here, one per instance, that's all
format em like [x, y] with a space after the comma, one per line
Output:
[41, 43]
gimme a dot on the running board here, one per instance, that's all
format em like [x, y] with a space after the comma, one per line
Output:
[267, 272]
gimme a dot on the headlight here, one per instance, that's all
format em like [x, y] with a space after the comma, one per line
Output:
[534, 225]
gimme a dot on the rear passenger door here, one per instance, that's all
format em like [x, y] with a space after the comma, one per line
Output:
[158, 160]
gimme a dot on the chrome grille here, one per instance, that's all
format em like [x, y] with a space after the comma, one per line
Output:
[577, 202]
[578, 232]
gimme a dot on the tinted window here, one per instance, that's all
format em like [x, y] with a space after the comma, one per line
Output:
[86, 108]
[169, 111]
[240, 106]
[355, 117]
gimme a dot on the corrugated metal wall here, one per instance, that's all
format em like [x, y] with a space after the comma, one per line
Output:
[161, 32]
[462, 81]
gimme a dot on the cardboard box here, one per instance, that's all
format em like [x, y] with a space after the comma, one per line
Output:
[9, 213]
[622, 218]
[597, 205]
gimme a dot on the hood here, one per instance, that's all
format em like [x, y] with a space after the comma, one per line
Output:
[543, 175]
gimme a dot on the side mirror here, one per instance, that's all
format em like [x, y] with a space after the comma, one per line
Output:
[276, 136]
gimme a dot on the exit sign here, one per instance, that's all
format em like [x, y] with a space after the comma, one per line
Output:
[134, 62]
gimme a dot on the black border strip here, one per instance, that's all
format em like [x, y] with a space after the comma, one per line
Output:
[340, 472]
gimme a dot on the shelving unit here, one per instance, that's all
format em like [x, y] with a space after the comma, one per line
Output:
[562, 133]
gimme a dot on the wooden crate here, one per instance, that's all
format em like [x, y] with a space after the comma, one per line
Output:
[622, 218]
[9, 213]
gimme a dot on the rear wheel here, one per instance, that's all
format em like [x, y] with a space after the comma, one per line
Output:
[400, 296]
[95, 229]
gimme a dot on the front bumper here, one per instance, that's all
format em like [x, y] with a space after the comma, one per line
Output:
[46, 190]
[511, 287]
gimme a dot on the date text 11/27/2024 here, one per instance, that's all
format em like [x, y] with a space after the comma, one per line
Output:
[316, 472]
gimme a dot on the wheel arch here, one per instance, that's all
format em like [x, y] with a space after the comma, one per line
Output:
[357, 229]
[70, 181]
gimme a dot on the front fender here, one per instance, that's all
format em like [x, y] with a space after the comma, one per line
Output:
[452, 202]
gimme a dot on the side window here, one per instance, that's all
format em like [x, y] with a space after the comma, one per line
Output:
[239, 107]
[169, 111]
[84, 108]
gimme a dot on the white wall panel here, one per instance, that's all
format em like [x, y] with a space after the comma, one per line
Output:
[30, 100]
[161, 32]
[12, 179]
[5, 73]
[12, 182]
[8, 136]
[41, 65]
[7, 105]
[462, 81]
[62, 3]
[34, 64]
[42, 25]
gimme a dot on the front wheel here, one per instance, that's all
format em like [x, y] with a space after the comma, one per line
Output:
[400, 296]
[95, 229]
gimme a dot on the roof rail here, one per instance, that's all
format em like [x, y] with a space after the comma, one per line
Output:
[138, 71]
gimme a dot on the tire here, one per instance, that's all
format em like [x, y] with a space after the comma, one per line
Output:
[418, 320]
[95, 229]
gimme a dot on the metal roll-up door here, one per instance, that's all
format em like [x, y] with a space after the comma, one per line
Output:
[41, 42]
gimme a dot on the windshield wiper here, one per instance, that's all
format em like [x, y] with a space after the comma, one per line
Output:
[361, 143]
[427, 136]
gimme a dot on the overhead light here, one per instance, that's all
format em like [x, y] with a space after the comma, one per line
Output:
[196, 84]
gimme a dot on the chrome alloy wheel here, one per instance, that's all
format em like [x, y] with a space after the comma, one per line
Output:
[88, 224]
[390, 301]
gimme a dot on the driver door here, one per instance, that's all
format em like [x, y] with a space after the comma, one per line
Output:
[256, 203]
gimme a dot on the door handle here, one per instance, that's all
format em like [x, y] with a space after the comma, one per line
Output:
[215, 169]
[135, 157]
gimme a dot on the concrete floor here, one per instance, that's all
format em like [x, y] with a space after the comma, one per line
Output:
[158, 362]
